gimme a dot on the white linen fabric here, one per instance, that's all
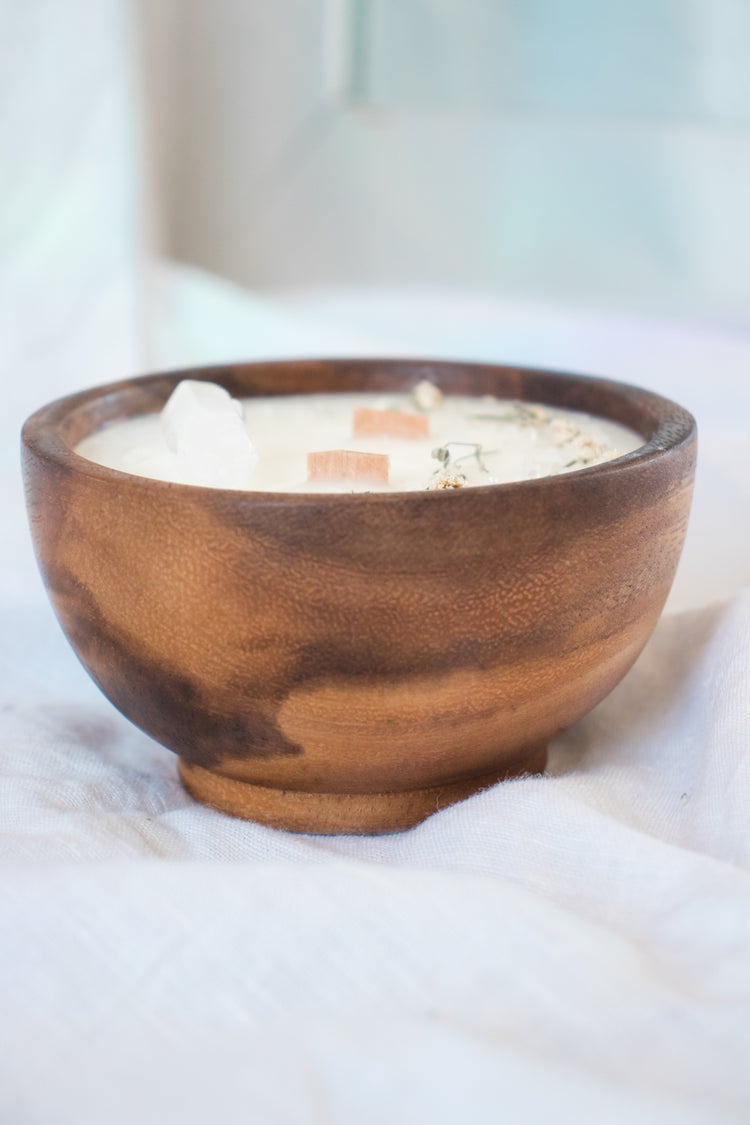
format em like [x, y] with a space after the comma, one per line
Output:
[569, 948]
[574, 947]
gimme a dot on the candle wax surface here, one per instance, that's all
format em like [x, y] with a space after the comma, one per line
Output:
[478, 441]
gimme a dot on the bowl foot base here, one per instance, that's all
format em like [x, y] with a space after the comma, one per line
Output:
[336, 814]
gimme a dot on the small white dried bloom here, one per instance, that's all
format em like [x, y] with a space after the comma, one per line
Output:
[562, 431]
[446, 479]
[426, 396]
[588, 449]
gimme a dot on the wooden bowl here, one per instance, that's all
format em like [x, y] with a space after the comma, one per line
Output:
[352, 663]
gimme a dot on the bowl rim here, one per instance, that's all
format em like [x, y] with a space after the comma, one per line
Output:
[42, 433]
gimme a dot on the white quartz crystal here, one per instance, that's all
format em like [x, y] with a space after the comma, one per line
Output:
[204, 429]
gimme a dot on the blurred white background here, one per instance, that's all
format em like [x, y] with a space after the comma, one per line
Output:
[570, 151]
[595, 150]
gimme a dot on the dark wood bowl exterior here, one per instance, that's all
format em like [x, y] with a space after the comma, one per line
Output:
[350, 663]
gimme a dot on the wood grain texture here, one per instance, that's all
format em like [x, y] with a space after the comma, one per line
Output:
[390, 424]
[360, 644]
[348, 465]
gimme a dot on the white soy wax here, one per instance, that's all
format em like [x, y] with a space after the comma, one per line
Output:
[204, 437]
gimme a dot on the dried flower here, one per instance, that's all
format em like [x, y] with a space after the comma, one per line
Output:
[563, 431]
[426, 396]
[446, 479]
[587, 449]
[532, 413]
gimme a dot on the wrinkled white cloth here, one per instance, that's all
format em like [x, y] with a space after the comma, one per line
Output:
[572, 948]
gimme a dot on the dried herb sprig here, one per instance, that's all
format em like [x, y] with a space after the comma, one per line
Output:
[521, 413]
[478, 453]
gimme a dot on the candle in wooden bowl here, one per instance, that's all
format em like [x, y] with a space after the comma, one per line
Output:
[353, 442]
[351, 661]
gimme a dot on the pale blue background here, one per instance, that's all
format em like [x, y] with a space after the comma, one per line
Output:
[593, 151]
